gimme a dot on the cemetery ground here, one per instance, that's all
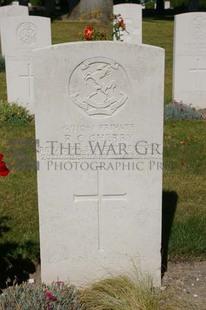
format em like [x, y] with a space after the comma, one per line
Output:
[184, 195]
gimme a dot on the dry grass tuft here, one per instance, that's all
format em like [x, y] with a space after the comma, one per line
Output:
[119, 293]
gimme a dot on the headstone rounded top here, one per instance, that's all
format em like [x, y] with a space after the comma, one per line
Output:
[197, 28]
[128, 5]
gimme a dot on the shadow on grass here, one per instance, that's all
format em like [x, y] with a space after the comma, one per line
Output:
[14, 268]
[169, 205]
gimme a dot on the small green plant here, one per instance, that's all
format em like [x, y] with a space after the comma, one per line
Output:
[30, 296]
[2, 64]
[12, 113]
[179, 111]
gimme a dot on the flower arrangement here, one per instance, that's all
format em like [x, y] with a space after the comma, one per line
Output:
[90, 34]
[118, 26]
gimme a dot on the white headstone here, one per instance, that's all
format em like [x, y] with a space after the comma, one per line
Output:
[132, 16]
[167, 5]
[12, 10]
[20, 36]
[189, 68]
[99, 124]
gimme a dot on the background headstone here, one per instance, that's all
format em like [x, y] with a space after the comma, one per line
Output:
[12, 10]
[20, 36]
[189, 66]
[167, 5]
[132, 16]
[99, 123]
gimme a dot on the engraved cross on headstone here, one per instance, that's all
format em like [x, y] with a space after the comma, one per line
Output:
[99, 197]
[28, 76]
[197, 70]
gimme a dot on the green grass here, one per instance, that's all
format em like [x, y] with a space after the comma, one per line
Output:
[185, 173]
[18, 195]
[184, 165]
[3, 94]
[67, 31]
[160, 33]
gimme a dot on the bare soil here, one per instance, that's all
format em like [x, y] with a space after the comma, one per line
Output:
[188, 281]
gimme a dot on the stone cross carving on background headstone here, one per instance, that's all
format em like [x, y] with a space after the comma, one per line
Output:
[29, 77]
[197, 70]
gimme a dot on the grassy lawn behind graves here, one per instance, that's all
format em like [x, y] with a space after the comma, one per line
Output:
[184, 168]
[18, 193]
[185, 174]
[3, 94]
[160, 33]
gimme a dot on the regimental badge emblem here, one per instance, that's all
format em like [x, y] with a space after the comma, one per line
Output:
[99, 87]
[27, 34]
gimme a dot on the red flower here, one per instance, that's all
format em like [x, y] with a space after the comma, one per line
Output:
[4, 171]
[122, 24]
[49, 295]
[88, 33]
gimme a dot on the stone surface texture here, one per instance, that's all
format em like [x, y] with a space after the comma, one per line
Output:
[99, 127]
[189, 66]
